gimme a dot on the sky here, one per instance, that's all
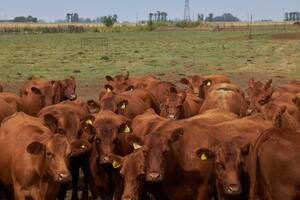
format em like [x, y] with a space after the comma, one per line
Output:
[130, 10]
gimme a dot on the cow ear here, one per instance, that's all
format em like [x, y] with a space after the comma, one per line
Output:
[35, 148]
[205, 154]
[125, 127]
[268, 84]
[108, 88]
[184, 81]
[109, 78]
[79, 147]
[130, 88]
[173, 90]
[72, 78]
[251, 83]
[36, 90]
[123, 104]
[278, 118]
[135, 141]
[126, 75]
[93, 106]
[176, 134]
[51, 122]
[207, 82]
[245, 149]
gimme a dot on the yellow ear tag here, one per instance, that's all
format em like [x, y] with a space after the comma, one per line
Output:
[136, 146]
[123, 106]
[203, 156]
[116, 164]
[127, 129]
[108, 90]
[88, 122]
[208, 83]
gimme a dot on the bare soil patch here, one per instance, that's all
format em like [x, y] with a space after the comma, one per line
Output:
[287, 36]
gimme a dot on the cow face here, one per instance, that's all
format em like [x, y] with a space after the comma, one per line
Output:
[193, 82]
[157, 148]
[172, 107]
[133, 173]
[228, 167]
[118, 83]
[55, 151]
[259, 94]
[109, 131]
[69, 88]
[68, 123]
[45, 93]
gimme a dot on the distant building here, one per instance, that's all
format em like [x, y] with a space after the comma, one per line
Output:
[292, 16]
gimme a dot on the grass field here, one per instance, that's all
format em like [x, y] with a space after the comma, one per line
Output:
[169, 55]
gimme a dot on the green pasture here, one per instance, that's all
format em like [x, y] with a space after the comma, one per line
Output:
[90, 56]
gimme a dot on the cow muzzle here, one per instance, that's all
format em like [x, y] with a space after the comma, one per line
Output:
[64, 176]
[129, 198]
[233, 189]
[172, 117]
[73, 97]
[105, 160]
[154, 177]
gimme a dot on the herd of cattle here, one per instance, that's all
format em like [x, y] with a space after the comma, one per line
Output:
[152, 140]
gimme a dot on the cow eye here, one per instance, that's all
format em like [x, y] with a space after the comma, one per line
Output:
[61, 131]
[97, 140]
[49, 154]
[220, 167]
[262, 101]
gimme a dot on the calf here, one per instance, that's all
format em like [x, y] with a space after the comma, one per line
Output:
[34, 165]
[179, 105]
[66, 90]
[274, 165]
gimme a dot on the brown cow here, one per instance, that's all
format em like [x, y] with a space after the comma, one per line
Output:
[5, 110]
[180, 156]
[194, 82]
[179, 105]
[123, 104]
[1, 88]
[261, 94]
[34, 165]
[274, 165]
[68, 118]
[66, 90]
[37, 94]
[13, 100]
[109, 132]
[225, 96]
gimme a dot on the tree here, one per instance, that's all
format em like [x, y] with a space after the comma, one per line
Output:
[75, 17]
[150, 17]
[210, 17]
[109, 20]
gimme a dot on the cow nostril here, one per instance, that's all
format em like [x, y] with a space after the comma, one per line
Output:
[73, 97]
[105, 159]
[154, 175]
[171, 116]
[64, 175]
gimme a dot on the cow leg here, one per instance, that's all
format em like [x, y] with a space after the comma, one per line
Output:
[203, 191]
[85, 170]
[62, 191]
[75, 166]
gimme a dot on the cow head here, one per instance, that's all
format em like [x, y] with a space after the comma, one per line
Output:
[229, 160]
[55, 151]
[109, 131]
[259, 94]
[157, 149]
[118, 83]
[113, 103]
[133, 173]
[273, 113]
[68, 123]
[69, 89]
[193, 82]
[172, 107]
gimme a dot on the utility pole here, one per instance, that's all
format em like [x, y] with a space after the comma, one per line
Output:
[187, 16]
